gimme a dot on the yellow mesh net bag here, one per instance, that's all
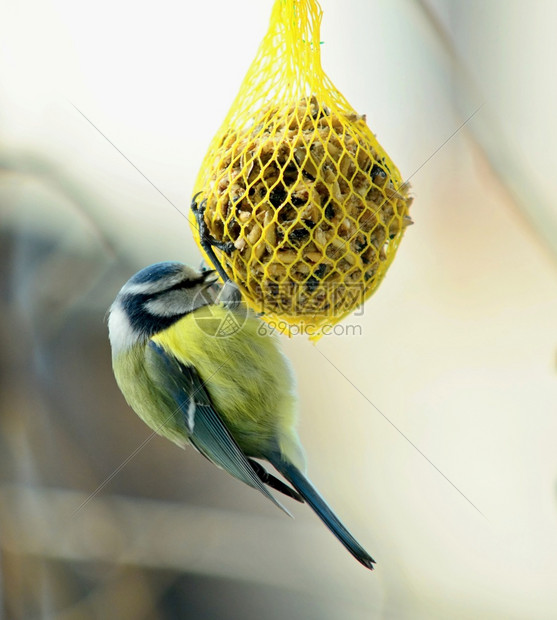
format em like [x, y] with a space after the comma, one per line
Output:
[296, 181]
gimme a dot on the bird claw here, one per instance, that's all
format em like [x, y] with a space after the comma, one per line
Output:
[207, 241]
[205, 236]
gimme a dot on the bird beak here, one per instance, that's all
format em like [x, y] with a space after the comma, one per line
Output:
[210, 277]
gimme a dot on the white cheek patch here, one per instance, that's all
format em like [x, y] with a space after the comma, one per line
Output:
[172, 303]
[120, 332]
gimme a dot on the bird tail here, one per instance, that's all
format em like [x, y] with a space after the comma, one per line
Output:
[310, 494]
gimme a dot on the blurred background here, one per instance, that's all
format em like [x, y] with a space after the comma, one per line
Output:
[430, 425]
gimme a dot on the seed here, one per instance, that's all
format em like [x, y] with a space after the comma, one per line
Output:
[330, 210]
[319, 238]
[254, 234]
[298, 234]
[287, 256]
[277, 196]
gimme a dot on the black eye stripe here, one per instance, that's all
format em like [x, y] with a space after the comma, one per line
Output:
[134, 304]
[184, 284]
[136, 300]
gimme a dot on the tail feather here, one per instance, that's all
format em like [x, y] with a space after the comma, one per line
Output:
[274, 483]
[318, 504]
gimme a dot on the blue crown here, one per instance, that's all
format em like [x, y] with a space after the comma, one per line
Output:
[156, 272]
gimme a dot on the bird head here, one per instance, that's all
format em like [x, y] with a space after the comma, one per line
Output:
[155, 298]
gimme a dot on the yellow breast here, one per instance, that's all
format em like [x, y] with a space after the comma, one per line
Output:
[246, 375]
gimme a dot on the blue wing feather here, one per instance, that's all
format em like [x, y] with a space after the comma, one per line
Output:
[207, 431]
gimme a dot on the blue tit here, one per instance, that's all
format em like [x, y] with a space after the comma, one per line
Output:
[230, 395]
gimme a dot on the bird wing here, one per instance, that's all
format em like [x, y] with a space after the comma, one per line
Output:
[206, 429]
